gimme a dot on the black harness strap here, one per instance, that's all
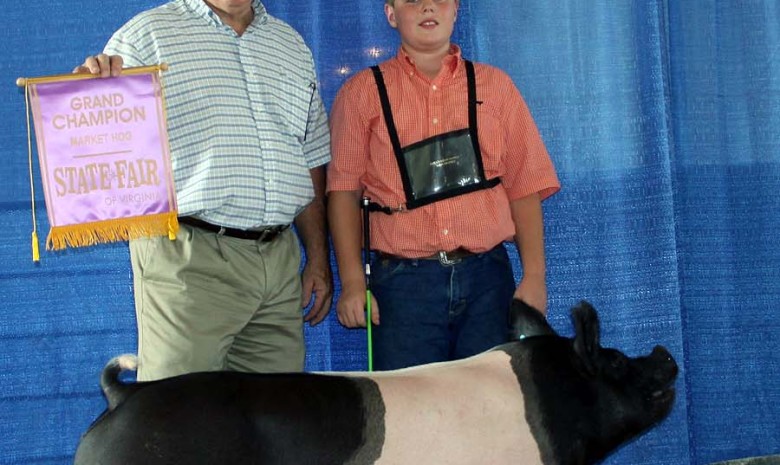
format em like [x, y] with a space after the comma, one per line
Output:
[387, 112]
[391, 130]
[471, 82]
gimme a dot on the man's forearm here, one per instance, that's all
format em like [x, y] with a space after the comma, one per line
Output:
[312, 222]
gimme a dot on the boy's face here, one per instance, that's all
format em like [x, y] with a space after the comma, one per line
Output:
[424, 25]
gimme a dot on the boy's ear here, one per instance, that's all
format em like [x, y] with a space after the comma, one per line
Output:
[390, 13]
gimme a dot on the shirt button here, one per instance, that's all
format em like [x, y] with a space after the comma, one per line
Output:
[445, 231]
[434, 87]
[435, 120]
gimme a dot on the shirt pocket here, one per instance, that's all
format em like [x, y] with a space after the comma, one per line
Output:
[295, 99]
[491, 139]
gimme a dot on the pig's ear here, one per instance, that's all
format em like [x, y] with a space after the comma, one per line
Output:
[586, 339]
[526, 321]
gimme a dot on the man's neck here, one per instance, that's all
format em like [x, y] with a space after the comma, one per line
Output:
[239, 20]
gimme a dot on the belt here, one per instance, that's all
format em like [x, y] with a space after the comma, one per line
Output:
[263, 235]
[445, 258]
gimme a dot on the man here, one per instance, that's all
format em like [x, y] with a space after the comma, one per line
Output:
[448, 151]
[249, 141]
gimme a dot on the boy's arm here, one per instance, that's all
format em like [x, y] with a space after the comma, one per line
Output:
[529, 237]
[345, 226]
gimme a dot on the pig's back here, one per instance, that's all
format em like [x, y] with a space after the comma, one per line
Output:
[467, 412]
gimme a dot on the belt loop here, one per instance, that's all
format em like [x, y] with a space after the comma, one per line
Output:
[221, 231]
[263, 234]
[218, 240]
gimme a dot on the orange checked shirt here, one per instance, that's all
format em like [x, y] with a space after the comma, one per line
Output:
[363, 159]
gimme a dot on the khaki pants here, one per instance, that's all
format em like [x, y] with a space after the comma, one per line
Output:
[206, 302]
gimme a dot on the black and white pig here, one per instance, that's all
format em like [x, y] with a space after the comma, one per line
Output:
[540, 399]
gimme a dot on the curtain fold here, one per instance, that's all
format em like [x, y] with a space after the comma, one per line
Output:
[725, 87]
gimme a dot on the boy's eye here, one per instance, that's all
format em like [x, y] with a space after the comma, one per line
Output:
[414, 2]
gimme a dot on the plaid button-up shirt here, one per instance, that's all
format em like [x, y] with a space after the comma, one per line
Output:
[245, 119]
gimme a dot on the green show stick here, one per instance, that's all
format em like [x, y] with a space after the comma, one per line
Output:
[365, 201]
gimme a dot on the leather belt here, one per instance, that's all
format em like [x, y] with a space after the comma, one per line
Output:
[263, 235]
[445, 258]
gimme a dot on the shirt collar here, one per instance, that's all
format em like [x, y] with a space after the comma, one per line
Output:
[450, 62]
[200, 7]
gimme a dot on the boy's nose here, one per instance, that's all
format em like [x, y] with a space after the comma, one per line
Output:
[427, 5]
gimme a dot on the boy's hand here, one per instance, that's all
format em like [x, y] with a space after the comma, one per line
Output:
[533, 291]
[351, 306]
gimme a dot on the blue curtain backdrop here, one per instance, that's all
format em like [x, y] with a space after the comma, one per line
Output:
[662, 118]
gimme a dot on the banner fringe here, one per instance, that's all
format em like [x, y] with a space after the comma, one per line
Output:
[120, 229]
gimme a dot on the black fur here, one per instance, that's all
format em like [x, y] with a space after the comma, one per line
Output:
[596, 398]
[526, 321]
[238, 418]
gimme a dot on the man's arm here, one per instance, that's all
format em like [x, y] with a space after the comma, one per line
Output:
[312, 228]
[529, 237]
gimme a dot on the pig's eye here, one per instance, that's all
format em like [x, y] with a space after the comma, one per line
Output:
[618, 364]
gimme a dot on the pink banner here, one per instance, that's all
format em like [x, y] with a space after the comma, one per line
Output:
[103, 149]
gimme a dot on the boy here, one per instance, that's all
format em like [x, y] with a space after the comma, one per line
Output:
[449, 152]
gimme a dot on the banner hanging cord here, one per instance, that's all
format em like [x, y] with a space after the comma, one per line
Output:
[35, 247]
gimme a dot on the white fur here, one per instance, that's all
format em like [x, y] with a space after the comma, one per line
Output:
[127, 362]
[466, 412]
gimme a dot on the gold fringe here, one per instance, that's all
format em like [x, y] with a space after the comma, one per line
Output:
[122, 229]
[173, 227]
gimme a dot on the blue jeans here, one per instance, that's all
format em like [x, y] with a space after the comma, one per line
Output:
[431, 312]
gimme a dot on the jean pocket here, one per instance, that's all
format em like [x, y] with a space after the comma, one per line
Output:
[383, 269]
[499, 255]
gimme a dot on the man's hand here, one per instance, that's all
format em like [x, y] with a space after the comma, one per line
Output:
[313, 231]
[351, 307]
[103, 65]
[317, 280]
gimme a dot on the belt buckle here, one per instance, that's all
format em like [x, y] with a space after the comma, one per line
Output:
[447, 261]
